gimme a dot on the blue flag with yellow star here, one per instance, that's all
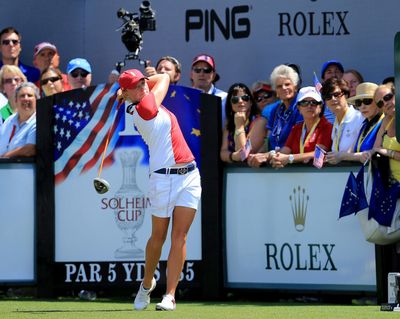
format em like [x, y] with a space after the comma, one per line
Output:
[354, 198]
[383, 200]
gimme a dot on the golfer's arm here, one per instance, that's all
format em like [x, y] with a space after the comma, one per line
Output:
[158, 85]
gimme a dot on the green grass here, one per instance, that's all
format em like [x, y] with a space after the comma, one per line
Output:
[112, 309]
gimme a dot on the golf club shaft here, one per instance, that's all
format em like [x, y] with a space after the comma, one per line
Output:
[108, 139]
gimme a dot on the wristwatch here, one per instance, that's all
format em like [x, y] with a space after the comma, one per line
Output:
[291, 158]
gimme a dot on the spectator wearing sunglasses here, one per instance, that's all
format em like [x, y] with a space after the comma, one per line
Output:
[331, 69]
[79, 73]
[276, 121]
[263, 94]
[204, 75]
[386, 143]
[46, 55]
[168, 65]
[10, 45]
[51, 81]
[304, 136]
[348, 121]
[11, 77]
[241, 110]
[364, 102]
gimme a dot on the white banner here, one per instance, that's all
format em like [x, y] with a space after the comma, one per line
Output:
[17, 222]
[282, 230]
[114, 226]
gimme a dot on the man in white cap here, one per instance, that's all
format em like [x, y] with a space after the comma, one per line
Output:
[79, 73]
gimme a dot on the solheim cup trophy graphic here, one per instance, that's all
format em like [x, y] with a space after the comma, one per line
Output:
[129, 215]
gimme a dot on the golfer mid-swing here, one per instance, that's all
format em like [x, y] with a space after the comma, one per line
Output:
[174, 185]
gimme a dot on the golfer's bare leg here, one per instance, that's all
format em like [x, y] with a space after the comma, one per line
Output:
[154, 247]
[181, 221]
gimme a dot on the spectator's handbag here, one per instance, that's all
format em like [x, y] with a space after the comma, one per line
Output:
[372, 230]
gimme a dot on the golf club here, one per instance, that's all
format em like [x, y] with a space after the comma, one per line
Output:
[101, 185]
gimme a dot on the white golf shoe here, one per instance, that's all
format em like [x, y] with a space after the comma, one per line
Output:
[142, 299]
[167, 303]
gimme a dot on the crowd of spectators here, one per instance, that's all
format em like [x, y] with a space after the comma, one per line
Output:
[272, 122]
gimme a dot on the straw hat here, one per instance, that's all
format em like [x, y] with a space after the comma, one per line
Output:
[364, 90]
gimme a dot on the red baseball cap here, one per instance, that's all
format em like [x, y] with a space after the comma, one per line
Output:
[129, 78]
[205, 58]
[209, 60]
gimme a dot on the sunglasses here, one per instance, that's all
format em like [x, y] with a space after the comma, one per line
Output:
[358, 103]
[8, 41]
[76, 73]
[306, 103]
[263, 96]
[204, 70]
[15, 79]
[244, 98]
[334, 95]
[385, 99]
[51, 79]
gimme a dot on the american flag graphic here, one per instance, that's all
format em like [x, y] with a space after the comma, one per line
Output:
[319, 157]
[82, 120]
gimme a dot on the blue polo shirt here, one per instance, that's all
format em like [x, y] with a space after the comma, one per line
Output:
[31, 73]
[280, 122]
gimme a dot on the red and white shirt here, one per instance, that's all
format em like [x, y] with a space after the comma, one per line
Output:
[160, 130]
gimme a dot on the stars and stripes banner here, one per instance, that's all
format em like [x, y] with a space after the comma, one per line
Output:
[83, 119]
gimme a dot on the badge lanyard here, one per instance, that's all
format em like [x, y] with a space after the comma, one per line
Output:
[12, 134]
[339, 134]
[303, 135]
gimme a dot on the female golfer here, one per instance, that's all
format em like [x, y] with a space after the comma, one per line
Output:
[174, 186]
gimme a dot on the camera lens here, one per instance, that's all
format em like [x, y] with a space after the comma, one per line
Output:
[122, 13]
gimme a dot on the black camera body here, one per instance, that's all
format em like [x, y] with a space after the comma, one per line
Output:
[135, 24]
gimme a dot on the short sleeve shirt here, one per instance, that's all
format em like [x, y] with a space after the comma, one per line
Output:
[344, 135]
[320, 136]
[14, 134]
[161, 132]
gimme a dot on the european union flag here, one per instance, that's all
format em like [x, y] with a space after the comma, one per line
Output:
[383, 200]
[362, 198]
[184, 102]
[354, 198]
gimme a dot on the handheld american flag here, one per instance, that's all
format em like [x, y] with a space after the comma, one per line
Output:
[317, 83]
